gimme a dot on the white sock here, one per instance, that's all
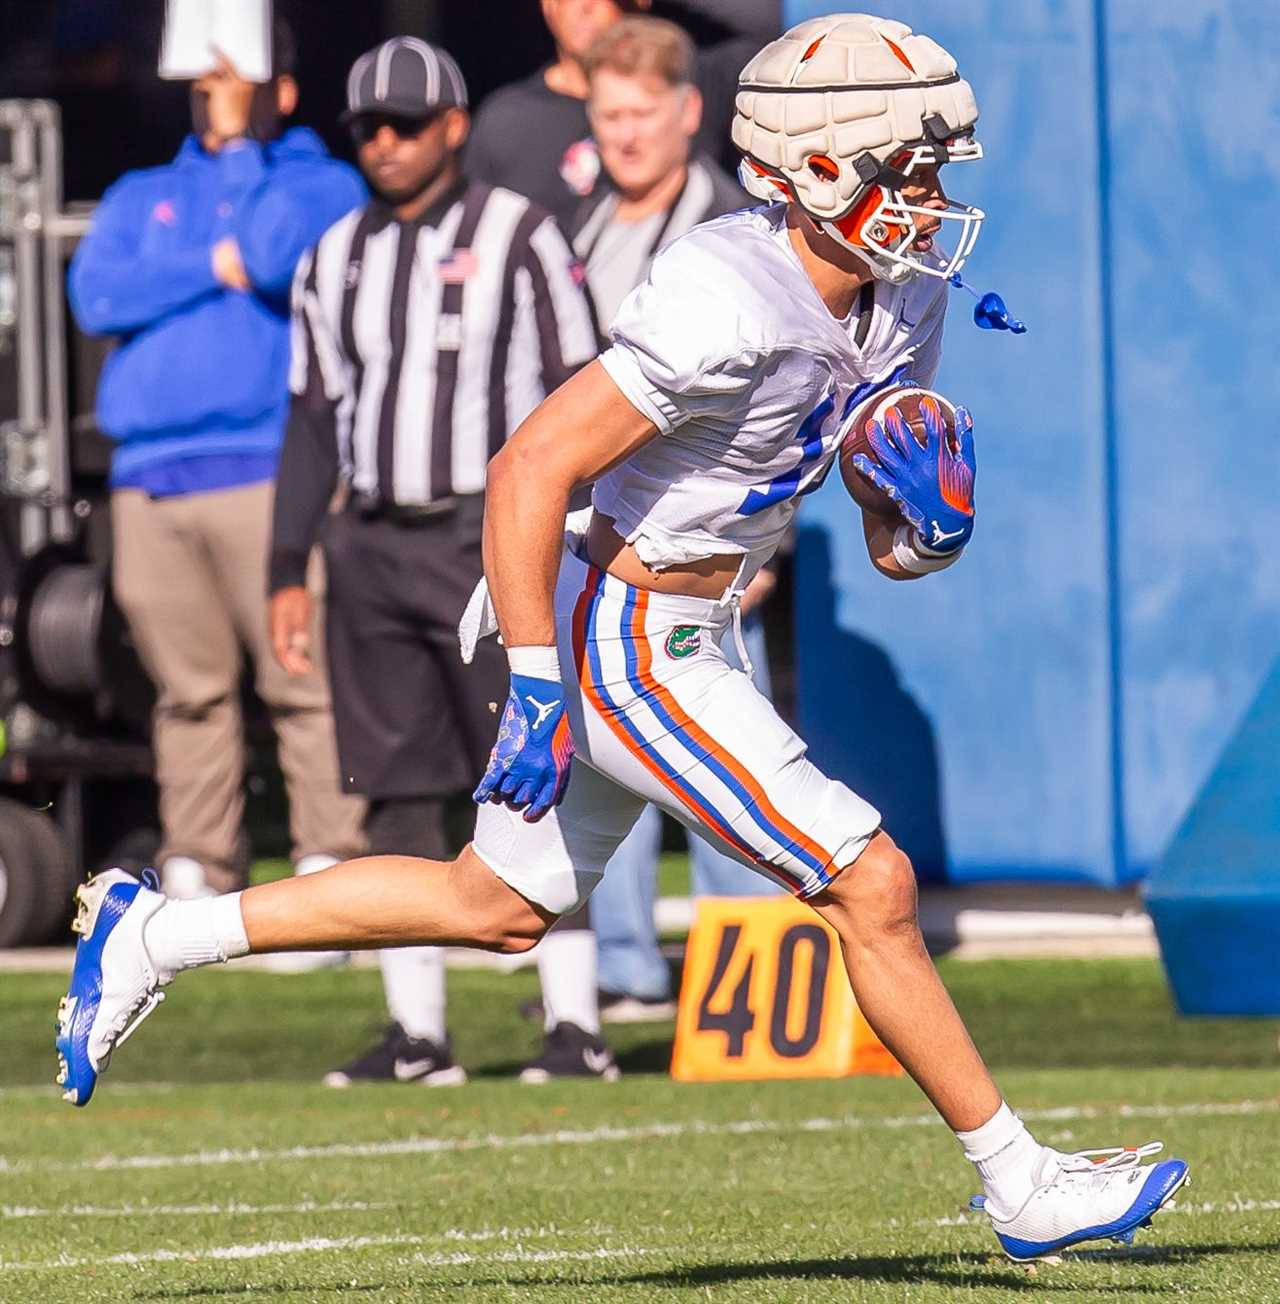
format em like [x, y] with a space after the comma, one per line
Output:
[1005, 1155]
[567, 963]
[186, 934]
[413, 980]
[314, 863]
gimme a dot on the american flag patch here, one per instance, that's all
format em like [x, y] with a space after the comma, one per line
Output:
[458, 266]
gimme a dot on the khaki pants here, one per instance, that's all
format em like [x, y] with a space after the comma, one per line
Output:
[190, 573]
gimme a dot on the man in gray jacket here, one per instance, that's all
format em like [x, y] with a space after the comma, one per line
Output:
[645, 112]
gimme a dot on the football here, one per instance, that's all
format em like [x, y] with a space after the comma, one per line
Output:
[906, 398]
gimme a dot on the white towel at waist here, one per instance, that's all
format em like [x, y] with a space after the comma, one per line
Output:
[479, 620]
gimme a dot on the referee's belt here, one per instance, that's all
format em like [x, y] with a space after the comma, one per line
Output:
[370, 507]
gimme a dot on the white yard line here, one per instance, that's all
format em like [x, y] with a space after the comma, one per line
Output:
[519, 1254]
[596, 1136]
[1180, 1207]
[185, 1210]
[1224, 1206]
[324, 1244]
[52, 1091]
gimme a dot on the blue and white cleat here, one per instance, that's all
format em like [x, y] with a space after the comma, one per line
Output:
[114, 985]
[1088, 1196]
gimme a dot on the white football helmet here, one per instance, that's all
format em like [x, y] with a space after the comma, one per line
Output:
[836, 115]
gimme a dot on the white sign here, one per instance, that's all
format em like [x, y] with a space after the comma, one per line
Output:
[198, 32]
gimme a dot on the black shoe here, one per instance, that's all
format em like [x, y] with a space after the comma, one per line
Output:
[569, 1052]
[398, 1058]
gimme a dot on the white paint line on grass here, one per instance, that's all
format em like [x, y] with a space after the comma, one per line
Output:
[519, 1254]
[596, 1136]
[1232, 1207]
[52, 1091]
[1224, 1206]
[324, 1244]
[185, 1210]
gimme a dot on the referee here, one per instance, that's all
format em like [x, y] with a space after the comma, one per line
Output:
[426, 327]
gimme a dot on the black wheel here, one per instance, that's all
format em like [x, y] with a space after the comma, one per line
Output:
[19, 889]
[55, 878]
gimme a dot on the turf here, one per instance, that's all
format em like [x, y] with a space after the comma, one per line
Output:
[212, 1167]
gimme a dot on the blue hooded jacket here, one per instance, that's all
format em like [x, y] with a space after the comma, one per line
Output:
[196, 394]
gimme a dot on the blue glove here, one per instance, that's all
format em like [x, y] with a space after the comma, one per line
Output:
[529, 764]
[932, 486]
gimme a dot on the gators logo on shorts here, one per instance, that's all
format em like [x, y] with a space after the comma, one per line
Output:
[683, 641]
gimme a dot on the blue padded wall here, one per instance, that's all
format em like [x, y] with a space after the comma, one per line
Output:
[1049, 708]
[1215, 896]
[1194, 96]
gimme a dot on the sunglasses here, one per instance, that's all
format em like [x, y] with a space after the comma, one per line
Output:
[365, 127]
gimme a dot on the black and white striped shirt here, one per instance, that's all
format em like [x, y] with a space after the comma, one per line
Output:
[418, 347]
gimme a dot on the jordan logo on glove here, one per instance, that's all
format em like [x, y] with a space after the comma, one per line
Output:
[543, 709]
[529, 766]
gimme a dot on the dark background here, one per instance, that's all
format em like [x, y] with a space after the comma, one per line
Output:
[97, 59]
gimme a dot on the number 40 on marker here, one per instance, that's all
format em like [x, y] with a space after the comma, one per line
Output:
[765, 995]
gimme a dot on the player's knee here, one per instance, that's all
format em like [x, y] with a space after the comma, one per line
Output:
[514, 926]
[500, 919]
[881, 888]
[511, 932]
[517, 940]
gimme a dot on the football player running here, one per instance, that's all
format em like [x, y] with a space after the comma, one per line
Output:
[733, 375]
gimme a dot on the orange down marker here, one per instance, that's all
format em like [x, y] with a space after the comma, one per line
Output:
[765, 995]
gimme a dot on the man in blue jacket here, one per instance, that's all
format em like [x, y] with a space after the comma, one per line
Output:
[190, 265]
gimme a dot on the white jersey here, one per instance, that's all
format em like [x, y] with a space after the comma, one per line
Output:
[729, 350]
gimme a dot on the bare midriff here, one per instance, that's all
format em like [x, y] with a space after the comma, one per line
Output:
[707, 578]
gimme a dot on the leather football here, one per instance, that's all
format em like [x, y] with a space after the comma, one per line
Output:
[906, 398]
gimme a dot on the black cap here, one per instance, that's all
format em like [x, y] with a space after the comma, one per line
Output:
[405, 77]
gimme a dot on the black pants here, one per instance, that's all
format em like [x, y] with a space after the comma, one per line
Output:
[412, 720]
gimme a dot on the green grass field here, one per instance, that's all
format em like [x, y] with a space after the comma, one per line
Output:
[211, 1166]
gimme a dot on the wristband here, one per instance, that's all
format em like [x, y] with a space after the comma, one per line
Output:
[917, 559]
[537, 662]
